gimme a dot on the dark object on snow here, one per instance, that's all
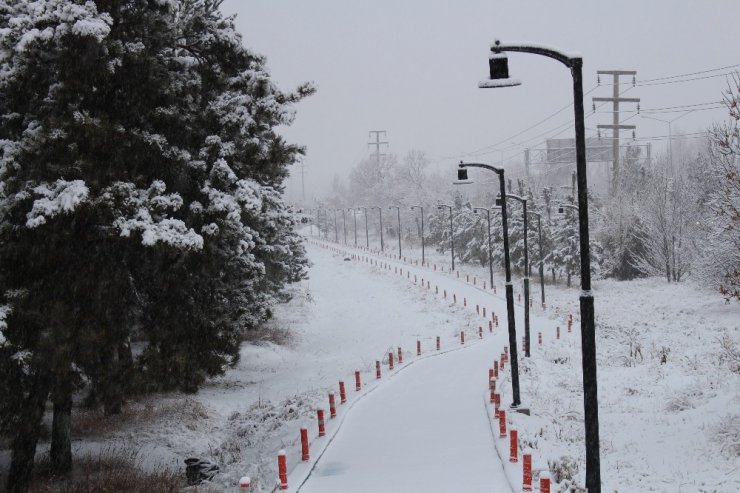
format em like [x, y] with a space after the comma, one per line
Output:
[347, 259]
[199, 470]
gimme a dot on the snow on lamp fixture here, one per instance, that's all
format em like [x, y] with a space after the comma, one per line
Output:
[498, 68]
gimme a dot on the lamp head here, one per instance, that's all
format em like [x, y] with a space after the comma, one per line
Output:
[498, 68]
[498, 201]
[462, 177]
[561, 209]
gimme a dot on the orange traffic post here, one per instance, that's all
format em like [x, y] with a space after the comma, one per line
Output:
[304, 445]
[539, 338]
[557, 333]
[332, 406]
[495, 369]
[377, 369]
[342, 393]
[527, 472]
[496, 400]
[462, 337]
[358, 383]
[484, 312]
[400, 356]
[490, 326]
[454, 298]
[465, 302]
[480, 332]
[322, 428]
[544, 483]
[438, 343]
[418, 348]
[390, 360]
[477, 309]
[513, 446]
[282, 470]
[502, 423]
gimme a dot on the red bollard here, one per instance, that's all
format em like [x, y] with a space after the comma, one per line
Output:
[445, 294]
[358, 383]
[480, 332]
[570, 324]
[342, 393]
[492, 389]
[437, 343]
[557, 333]
[490, 326]
[454, 298]
[530, 302]
[502, 423]
[465, 302]
[484, 312]
[332, 406]
[496, 401]
[245, 482]
[400, 356]
[462, 337]
[467, 277]
[322, 428]
[506, 352]
[544, 483]
[490, 374]
[304, 445]
[539, 338]
[496, 321]
[436, 289]
[477, 309]
[390, 360]
[377, 369]
[513, 446]
[282, 470]
[495, 369]
[418, 348]
[527, 469]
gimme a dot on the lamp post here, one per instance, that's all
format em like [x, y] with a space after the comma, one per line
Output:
[499, 77]
[490, 253]
[398, 211]
[670, 135]
[336, 234]
[367, 238]
[452, 238]
[380, 210]
[542, 262]
[354, 218]
[344, 225]
[462, 176]
[421, 208]
[523, 201]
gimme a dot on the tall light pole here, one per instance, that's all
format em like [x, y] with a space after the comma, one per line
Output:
[523, 201]
[354, 218]
[398, 211]
[367, 238]
[344, 225]
[670, 135]
[499, 77]
[542, 262]
[336, 234]
[462, 176]
[421, 208]
[452, 234]
[490, 252]
[380, 210]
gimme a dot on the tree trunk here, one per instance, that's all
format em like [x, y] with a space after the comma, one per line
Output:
[24, 442]
[568, 278]
[61, 431]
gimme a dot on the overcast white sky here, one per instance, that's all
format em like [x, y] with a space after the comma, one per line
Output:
[411, 68]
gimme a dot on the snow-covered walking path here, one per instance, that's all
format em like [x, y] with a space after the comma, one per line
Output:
[425, 431]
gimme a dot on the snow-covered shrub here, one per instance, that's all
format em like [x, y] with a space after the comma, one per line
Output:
[727, 435]
[729, 353]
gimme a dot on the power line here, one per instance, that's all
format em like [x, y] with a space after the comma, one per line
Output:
[690, 74]
[639, 84]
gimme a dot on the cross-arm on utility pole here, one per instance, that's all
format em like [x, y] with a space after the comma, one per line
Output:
[377, 144]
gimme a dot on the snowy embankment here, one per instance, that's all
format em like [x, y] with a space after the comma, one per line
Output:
[668, 382]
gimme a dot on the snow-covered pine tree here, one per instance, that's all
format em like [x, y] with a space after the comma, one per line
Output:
[141, 178]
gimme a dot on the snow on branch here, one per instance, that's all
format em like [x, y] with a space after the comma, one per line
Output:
[62, 196]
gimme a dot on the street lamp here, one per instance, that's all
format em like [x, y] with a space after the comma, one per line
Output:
[398, 210]
[354, 218]
[344, 225]
[336, 235]
[562, 207]
[421, 208]
[452, 238]
[380, 210]
[499, 77]
[367, 238]
[542, 263]
[490, 253]
[670, 135]
[462, 177]
[523, 201]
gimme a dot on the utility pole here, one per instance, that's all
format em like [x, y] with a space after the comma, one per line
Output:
[303, 180]
[615, 125]
[377, 144]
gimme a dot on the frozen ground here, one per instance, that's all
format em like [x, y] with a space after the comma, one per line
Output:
[669, 383]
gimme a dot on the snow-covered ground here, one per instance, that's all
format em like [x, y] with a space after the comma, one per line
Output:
[669, 385]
